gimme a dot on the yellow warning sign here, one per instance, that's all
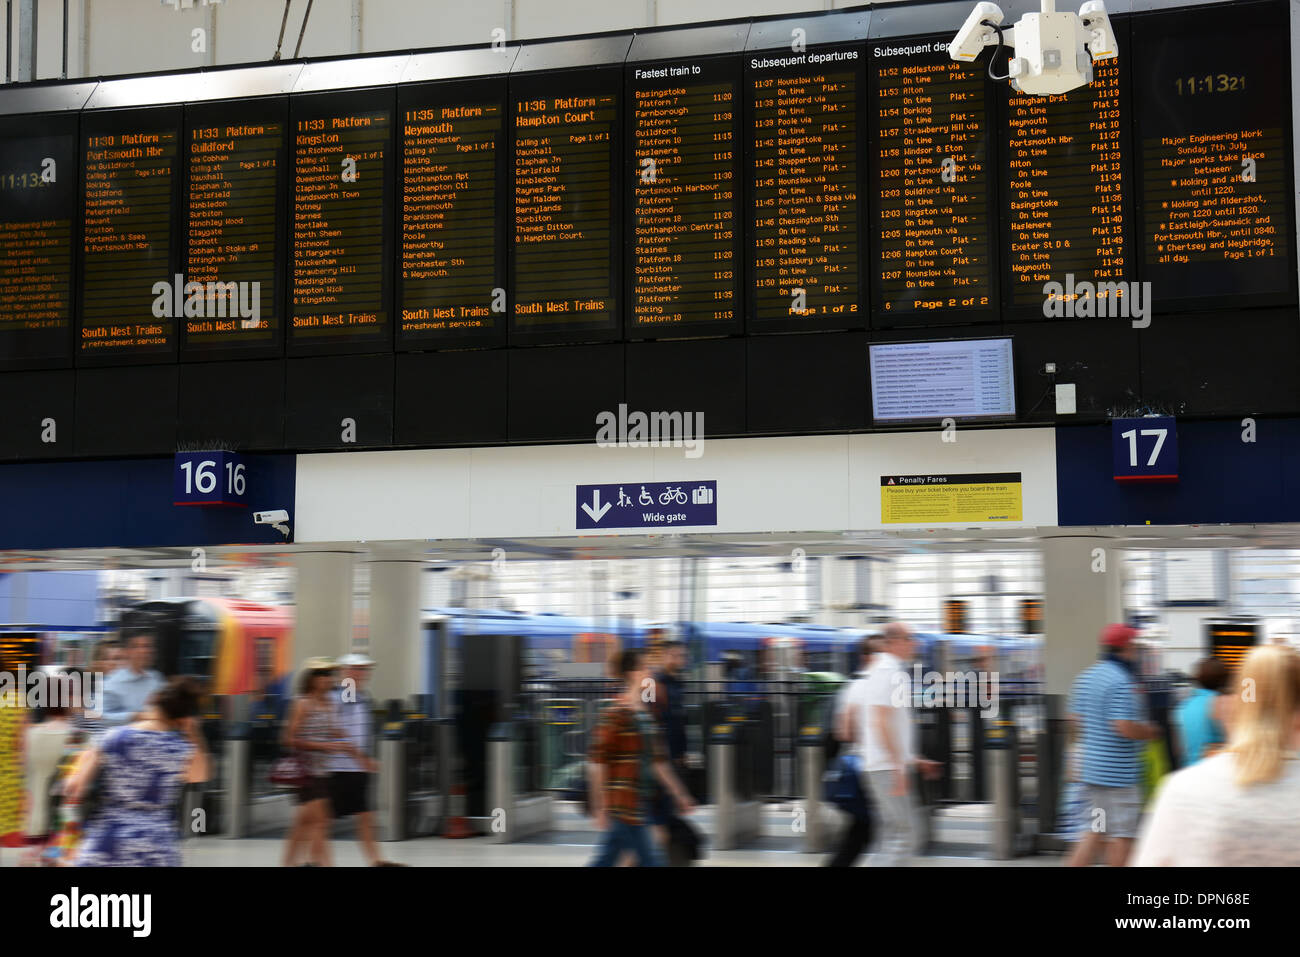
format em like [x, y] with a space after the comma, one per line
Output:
[11, 766]
[925, 499]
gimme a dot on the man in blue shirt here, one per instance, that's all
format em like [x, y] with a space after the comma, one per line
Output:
[1105, 710]
[127, 690]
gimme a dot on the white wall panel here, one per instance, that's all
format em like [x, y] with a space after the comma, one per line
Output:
[812, 483]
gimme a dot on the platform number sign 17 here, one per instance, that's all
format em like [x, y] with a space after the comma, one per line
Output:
[1145, 449]
[209, 478]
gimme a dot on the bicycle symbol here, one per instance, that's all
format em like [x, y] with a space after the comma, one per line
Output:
[673, 494]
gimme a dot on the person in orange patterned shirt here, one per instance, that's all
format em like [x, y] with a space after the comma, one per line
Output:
[627, 757]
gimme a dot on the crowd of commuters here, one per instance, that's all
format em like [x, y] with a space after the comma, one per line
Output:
[104, 778]
[1237, 743]
[122, 763]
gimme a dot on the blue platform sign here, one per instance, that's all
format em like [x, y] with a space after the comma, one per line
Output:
[1145, 449]
[209, 478]
[647, 505]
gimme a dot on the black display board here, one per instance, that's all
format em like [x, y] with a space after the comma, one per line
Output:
[38, 216]
[684, 274]
[1067, 223]
[566, 249]
[934, 219]
[342, 193]
[128, 299]
[806, 212]
[1212, 104]
[234, 228]
[451, 282]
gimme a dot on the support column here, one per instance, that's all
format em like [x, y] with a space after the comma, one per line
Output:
[1082, 593]
[395, 640]
[28, 18]
[323, 597]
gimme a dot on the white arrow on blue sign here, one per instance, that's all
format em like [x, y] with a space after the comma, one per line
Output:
[647, 505]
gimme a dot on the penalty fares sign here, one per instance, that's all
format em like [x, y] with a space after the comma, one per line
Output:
[937, 499]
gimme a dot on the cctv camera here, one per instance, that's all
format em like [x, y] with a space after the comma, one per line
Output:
[974, 35]
[1054, 52]
[277, 518]
[1096, 23]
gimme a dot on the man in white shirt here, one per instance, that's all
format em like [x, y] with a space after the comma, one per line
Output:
[845, 727]
[886, 738]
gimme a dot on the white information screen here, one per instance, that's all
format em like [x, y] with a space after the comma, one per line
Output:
[962, 379]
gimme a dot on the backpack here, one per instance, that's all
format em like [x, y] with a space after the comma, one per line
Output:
[842, 786]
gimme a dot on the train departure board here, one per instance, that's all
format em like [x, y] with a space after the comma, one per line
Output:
[805, 225]
[128, 296]
[38, 204]
[566, 252]
[451, 284]
[934, 224]
[1213, 112]
[1065, 229]
[685, 270]
[234, 230]
[340, 295]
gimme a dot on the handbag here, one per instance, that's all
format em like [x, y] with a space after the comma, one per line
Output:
[842, 785]
[289, 771]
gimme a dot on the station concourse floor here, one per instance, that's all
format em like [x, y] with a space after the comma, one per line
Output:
[572, 843]
[476, 852]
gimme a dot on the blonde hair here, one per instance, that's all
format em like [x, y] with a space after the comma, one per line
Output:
[1263, 718]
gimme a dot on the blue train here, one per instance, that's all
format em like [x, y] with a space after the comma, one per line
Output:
[558, 646]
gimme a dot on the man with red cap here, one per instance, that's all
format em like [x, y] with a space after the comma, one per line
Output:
[1105, 710]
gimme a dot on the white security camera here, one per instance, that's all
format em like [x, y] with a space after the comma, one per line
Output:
[1054, 52]
[1101, 38]
[277, 518]
[974, 34]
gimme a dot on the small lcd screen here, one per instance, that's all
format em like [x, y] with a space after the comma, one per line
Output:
[964, 379]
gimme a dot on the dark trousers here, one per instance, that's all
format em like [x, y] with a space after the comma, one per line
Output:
[854, 842]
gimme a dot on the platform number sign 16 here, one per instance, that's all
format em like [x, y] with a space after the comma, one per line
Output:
[1145, 449]
[210, 478]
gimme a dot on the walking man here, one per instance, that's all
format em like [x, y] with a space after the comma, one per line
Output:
[627, 757]
[887, 734]
[1105, 710]
[349, 784]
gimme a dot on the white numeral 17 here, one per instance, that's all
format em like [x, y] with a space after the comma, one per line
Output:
[1132, 435]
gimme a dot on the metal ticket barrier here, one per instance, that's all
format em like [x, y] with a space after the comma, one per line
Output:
[514, 810]
[737, 815]
[1002, 750]
[393, 782]
[821, 821]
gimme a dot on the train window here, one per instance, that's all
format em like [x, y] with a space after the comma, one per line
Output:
[594, 649]
[197, 653]
[263, 663]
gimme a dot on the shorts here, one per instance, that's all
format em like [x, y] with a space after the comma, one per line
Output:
[348, 793]
[1119, 807]
[314, 789]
